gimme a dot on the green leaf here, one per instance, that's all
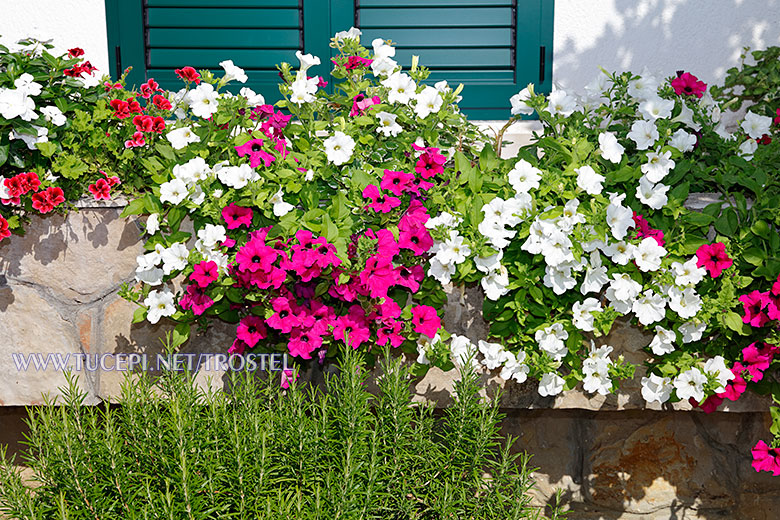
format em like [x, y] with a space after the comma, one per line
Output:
[134, 207]
[70, 166]
[728, 223]
[47, 149]
[733, 321]
[166, 151]
[4, 153]
[181, 333]
[139, 315]
[152, 204]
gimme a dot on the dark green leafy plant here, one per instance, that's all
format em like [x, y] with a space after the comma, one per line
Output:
[259, 451]
[757, 84]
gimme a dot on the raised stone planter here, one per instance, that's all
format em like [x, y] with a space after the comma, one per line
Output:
[614, 457]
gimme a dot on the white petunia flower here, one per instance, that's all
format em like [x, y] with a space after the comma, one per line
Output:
[281, 208]
[173, 191]
[656, 108]
[236, 177]
[644, 134]
[174, 258]
[656, 388]
[160, 304]
[611, 149]
[688, 273]
[382, 49]
[658, 166]
[429, 101]
[307, 60]
[589, 180]
[152, 223]
[496, 283]
[387, 124]
[524, 176]
[181, 137]
[425, 345]
[494, 354]
[41, 136]
[686, 303]
[649, 307]
[648, 254]
[16, 103]
[352, 34]
[519, 105]
[462, 350]
[232, 72]
[716, 367]
[54, 115]
[583, 313]
[551, 340]
[692, 330]
[150, 276]
[302, 90]
[402, 88]
[622, 292]
[440, 271]
[755, 125]
[454, 250]
[644, 87]
[559, 102]
[748, 148]
[490, 263]
[383, 66]
[339, 148]
[620, 252]
[683, 141]
[252, 98]
[595, 276]
[597, 378]
[515, 368]
[550, 384]
[211, 235]
[652, 195]
[559, 280]
[690, 385]
[203, 100]
[663, 341]
[443, 219]
[619, 217]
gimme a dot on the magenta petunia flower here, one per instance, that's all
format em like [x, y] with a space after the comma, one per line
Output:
[416, 216]
[425, 320]
[773, 309]
[361, 103]
[418, 239]
[237, 216]
[254, 149]
[379, 275]
[713, 258]
[251, 329]
[288, 376]
[205, 273]
[238, 347]
[396, 182]
[754, 304]
[766, 458]
[737, 386]
[256, 256]
[196, 300]
[757, 359]
[352, 328]
[285, 317]
[380, 202]
[304, 341]
[688, 84]
[390, 332]
[709, 405]
[430, 163]
[410, 277]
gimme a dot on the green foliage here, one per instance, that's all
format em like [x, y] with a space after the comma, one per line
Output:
[170, 450]
[754, 81]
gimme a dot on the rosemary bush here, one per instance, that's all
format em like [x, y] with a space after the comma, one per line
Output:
[173, 451]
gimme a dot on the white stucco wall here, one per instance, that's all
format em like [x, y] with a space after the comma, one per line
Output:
[704, 37]
[70, 23]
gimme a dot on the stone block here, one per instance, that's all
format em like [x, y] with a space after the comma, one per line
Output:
[35, 338]
[79, 257]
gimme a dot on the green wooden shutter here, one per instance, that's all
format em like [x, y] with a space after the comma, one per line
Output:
[494, 47]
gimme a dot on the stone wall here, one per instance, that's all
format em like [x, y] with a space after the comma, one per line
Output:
[614, 457]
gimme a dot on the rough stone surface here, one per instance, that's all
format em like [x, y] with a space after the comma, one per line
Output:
[614, 457]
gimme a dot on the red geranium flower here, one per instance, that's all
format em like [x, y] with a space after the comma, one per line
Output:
[48, 199]
[149, 88]
[75, 52]
[688, 84]
[188, 74]
[121, 108]
[161, 102]
[4, 230]
[100, 189]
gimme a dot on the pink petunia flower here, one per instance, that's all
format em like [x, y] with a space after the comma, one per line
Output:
[688, 84]
[737, 386]
[754, 304]
[256, 256]
[352, 328]
[713, 258]
[238, 347]
[236, 216]
[361, 103]
[425, 320]
[380, 202]
[288, 376]
[396, 182]
[390, 332]
[758, 358]
[379, 275]
[773, 309]
[418, 239]
[254, 149]
[205, 273]
[766, 458]
[304, 341]
[285, 317]
[251, 329]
